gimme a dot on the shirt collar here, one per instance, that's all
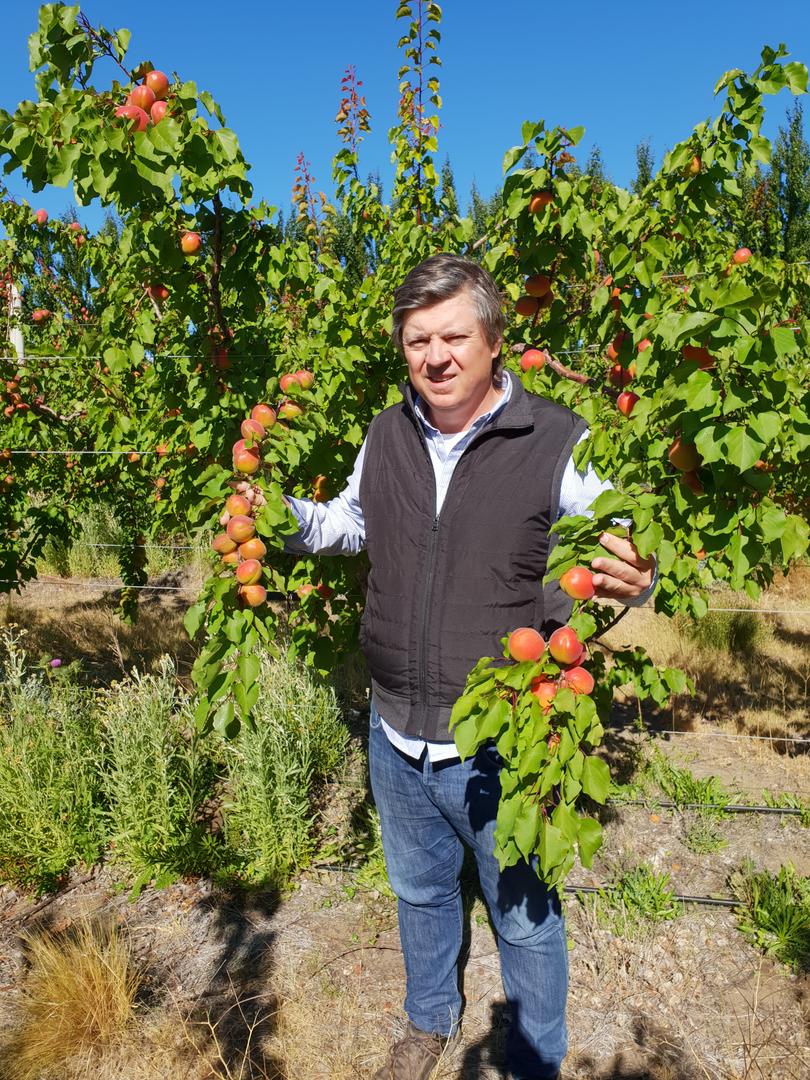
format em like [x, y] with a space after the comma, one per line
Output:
[479, 421]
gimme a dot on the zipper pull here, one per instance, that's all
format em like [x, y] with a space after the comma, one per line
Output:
[436, 523]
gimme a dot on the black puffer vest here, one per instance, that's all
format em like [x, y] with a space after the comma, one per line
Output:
[443, 590]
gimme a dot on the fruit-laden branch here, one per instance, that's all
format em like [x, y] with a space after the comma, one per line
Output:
[52, 414]
[556, 366]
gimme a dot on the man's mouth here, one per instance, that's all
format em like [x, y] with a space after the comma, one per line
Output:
[440, 378]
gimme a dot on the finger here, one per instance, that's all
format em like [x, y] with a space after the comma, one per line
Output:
[625, 550]
[610, 588]
[620, 571]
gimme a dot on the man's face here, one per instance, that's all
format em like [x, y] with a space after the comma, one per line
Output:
[449, 360]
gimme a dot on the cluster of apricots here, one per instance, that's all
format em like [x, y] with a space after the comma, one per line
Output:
[11, 395]
[239, 546]
[146, 103]
[41, 218]
[565, 648]
[538, 296]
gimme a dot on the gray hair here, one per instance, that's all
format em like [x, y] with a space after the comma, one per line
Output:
[439, 278]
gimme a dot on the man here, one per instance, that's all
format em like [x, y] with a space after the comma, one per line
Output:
[452, 495]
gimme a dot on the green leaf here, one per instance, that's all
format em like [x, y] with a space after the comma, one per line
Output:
[248, 667]
[589, 840]
[741, 449]
[553, 846]
[225, 722]
[795, 538]
[526, 827]
[595, 778]
[784, 340]
[194, 618]
[760, 148]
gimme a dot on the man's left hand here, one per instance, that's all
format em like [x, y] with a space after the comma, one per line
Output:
[624, 577]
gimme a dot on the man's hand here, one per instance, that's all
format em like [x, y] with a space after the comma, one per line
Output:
[624, 577]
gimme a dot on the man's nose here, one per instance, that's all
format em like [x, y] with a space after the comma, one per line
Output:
[438, 352]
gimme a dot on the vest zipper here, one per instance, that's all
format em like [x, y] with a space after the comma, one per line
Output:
[434, 543]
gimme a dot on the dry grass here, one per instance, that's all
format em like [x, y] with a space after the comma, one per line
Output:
[78, 624]
[77, 999]
[752, 678]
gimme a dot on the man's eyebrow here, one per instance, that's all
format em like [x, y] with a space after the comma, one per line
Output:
[454, 331]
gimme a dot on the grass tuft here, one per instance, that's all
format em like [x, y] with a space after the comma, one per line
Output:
[78, 997]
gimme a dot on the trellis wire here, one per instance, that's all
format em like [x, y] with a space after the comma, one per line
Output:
[190, 547]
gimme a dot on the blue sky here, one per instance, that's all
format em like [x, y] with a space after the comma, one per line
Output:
[626, 71]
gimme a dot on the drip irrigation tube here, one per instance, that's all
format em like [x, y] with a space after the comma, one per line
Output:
[571, 890]
[706, 901]
[730, 808]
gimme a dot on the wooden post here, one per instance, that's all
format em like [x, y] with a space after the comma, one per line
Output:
[15, 335]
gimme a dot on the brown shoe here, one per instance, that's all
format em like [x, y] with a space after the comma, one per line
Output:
[414, 1057]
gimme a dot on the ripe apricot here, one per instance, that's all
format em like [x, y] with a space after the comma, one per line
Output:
[577, 583]
[683, 455]
[249, 572]
[252, 431]
[539, 201]
[525, 644]
[237, 504]
[264, 415]
[538, 285]
[544, 690]
[691, 480]
[626, 402]
[190, 243]
[240, 528]
[253, 595]
[527, 305]
[578, 679]
[252, 549]
[223, 544]
[564, 645]
[532, 358]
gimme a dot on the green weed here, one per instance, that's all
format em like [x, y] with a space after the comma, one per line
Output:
[638, 900]
[775, 913]
[786, 799]
[700, 799]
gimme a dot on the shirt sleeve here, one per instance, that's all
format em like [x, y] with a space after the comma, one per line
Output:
[577, 491]
[331, 528]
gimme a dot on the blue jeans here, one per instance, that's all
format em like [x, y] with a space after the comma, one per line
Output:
[428, 812]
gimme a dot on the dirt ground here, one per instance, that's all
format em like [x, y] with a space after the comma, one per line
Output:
[310, 984]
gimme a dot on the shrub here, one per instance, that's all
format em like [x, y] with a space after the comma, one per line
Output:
[275, 768]
[49, 783]
[158, 777]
